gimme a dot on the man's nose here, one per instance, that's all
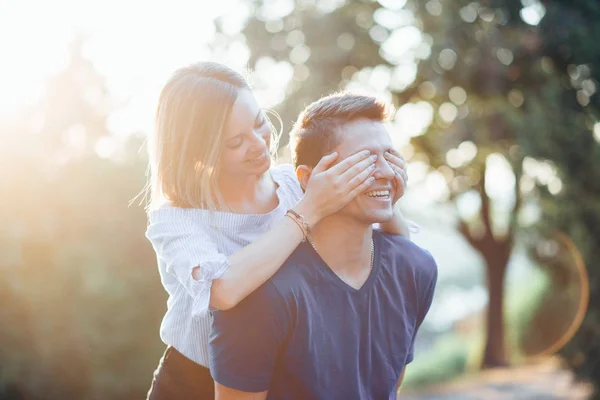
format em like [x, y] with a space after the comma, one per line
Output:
[383, 169]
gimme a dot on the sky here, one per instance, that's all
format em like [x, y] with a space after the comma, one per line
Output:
[134, 44]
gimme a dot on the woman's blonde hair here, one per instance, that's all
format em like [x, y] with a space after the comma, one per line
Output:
[185, 148]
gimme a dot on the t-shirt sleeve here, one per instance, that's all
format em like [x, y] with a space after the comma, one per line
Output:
[182, 244]
[245, 341]
[427, 289]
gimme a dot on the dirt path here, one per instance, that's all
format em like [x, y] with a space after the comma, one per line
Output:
[546, 381]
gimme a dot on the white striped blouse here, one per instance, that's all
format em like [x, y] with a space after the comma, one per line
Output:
[187, 238]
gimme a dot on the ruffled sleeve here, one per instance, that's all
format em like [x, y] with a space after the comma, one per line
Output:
[182, 245]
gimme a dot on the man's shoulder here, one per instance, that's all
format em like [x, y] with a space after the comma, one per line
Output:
[297, 271]
[400, 245]
[280, 289]
[404, 253]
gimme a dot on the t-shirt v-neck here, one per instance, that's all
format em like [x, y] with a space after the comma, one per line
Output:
[336, 280]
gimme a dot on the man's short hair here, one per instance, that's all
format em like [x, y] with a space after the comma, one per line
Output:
[318, 127]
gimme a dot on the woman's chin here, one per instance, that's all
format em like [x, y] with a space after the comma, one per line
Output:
[246, 170]
[260, 167]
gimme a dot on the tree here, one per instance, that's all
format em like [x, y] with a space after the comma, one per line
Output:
[83, 302]
[477, 77]
[324, 48]
[570, 33]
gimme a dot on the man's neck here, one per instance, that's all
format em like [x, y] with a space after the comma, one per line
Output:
[345, 245]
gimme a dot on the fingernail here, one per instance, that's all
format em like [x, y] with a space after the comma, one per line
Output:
[366, 152]
[374, 157]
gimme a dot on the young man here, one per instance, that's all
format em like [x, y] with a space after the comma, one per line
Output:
[339, 319]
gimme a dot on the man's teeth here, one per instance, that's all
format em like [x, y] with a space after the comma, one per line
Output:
[379, 193]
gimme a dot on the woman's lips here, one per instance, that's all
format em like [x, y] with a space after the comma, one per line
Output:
[258, 159]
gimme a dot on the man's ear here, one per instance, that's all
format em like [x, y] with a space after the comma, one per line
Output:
[303, 174]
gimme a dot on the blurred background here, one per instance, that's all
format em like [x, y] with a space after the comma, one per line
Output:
[498, 118]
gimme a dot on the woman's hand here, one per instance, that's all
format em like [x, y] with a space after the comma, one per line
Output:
[330, 188]
[398, 225]
[401, 178]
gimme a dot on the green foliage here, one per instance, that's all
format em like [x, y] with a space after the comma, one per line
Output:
[523, 303]
[77, 272]
[446, 360]
[571, 32]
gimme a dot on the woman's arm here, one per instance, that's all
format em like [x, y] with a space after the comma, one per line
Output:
[397, 225]
[254, 264]
[225, 393]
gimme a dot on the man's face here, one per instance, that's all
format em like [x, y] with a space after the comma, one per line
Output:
[375, 204]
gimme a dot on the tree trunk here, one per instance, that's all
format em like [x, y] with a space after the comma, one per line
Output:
[494, 354]
[496, 253]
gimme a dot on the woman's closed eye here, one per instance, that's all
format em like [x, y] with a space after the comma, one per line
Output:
[260, 121]
[235, 142]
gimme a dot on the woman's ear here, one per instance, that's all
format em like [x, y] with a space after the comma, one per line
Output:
[303, 174]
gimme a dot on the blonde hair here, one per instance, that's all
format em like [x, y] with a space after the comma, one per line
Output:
[185, 148]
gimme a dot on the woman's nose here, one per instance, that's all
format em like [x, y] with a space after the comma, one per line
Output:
[258, 139]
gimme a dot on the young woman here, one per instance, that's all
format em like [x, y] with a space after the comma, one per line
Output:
[217, 217]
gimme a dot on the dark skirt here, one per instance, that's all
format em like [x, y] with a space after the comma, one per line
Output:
[178, 377]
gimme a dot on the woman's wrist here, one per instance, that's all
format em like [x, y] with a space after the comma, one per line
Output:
[308, 213]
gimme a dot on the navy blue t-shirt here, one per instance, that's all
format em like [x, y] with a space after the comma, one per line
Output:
[306, 334]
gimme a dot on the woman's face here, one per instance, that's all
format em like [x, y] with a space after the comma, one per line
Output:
[247, 137]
